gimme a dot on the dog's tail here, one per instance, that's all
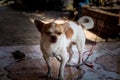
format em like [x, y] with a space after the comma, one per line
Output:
[87, 22]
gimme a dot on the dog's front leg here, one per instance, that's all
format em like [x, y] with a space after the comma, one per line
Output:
[49, 73]
[62, 66]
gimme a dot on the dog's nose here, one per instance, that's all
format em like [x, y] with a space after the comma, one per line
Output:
[53, 38]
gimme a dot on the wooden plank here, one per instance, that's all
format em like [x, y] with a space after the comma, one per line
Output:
[95, 9]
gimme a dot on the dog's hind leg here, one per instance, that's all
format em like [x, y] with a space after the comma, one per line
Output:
[69, 50]
[80, 48]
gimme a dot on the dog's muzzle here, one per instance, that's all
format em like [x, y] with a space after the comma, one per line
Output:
[53, 39]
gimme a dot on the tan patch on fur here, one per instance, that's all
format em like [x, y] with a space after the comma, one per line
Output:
[59, 28]
[69, 33]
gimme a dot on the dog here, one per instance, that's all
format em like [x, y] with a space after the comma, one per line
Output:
[57, 38]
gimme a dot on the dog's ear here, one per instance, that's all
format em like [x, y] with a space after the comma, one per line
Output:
[65, 26]
[39, 24]
[68, 30]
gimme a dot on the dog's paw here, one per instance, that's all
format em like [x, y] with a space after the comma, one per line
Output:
[78, 66]
[49, 75]
[70, 64]
[60, 78]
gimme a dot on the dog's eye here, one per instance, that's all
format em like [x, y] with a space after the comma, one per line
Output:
[48, 33]
[59, 33]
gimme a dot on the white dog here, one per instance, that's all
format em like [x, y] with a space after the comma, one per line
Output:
[58, 37]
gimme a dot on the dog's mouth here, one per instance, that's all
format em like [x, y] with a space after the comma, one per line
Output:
[53, 41]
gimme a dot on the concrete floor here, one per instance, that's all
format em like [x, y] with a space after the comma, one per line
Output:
[18, 33]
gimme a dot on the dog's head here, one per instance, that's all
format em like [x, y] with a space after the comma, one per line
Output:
[52, 31]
